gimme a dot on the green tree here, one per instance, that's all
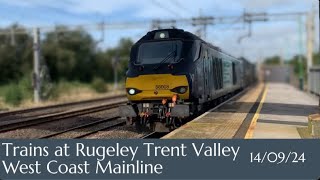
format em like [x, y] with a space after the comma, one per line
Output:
[295, 62]
[15, 53]
[69, 54]
[124, 49]
[120, 52]
[103, 66]
[275, 60]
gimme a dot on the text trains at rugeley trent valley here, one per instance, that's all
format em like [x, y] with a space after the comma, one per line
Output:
[103, 154]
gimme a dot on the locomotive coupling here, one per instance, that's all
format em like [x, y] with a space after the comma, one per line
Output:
[180, 110]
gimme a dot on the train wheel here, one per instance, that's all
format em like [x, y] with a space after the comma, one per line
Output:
[200, 108]
[177, 123]
[129, 121]
[142, 124]
[138, 123]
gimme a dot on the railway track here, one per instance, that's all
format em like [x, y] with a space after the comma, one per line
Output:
[122, 123]
[17, 124]
[84, 134]
[38, 111]
[116, 123]
[86, 129]
[153, 135]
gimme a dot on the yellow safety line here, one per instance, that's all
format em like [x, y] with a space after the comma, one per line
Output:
[255, 118]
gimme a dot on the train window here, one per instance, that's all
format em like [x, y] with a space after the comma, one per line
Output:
[203, 55]
[156, 52]
[215, 73]
[210, 72]
[206, 52]
[220, 73]
[198, 52]
[234, 73]
[190, 50]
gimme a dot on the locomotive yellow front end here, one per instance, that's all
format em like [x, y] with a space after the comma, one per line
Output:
[157, 87]
[157, 101]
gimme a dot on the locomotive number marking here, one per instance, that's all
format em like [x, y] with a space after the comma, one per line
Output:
[162, 87]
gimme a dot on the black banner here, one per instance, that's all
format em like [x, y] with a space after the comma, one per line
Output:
[160, 159]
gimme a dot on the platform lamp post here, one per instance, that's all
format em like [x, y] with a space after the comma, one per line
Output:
[310, 44]
[301, 73]
[319, 46]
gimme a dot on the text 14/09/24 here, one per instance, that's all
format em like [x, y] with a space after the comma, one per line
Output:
[277, 158]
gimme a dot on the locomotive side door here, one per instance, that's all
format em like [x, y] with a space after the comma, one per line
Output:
[206, 72]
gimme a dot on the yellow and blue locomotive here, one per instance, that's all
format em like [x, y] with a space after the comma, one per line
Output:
[174, 74]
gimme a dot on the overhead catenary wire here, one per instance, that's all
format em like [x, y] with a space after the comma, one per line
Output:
[155, 2]
[143, 24]
[181, 6]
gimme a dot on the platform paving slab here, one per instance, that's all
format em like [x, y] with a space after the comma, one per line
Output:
[223, 123]
[284, 111]
[283, 114]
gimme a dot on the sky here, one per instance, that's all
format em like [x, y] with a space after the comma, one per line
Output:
[268, 38]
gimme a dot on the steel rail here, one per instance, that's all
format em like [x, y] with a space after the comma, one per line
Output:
[80, 127]
[21, 111]
[8, 126]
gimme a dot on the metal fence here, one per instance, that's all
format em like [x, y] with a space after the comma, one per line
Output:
[315, 80]
[277, 73]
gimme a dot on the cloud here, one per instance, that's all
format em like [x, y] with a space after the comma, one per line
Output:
[266, 40]
[157, 8]
[37, 3]
[75, 6]
[279, 5]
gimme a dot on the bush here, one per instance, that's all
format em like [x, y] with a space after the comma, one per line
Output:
[99, 85]
[60, 88]
[54, 92]
[25, 85]
[14, 95]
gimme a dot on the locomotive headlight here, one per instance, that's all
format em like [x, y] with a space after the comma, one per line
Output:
[162, 35]
[132, 91]
[180, 89]
[183, 90]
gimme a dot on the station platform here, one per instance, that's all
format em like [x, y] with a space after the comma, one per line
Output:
[265, 111]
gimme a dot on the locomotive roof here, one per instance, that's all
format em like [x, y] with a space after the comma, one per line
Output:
[173, 33]
[179, 34]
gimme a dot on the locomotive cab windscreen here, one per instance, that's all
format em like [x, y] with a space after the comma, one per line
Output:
[159, 52]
